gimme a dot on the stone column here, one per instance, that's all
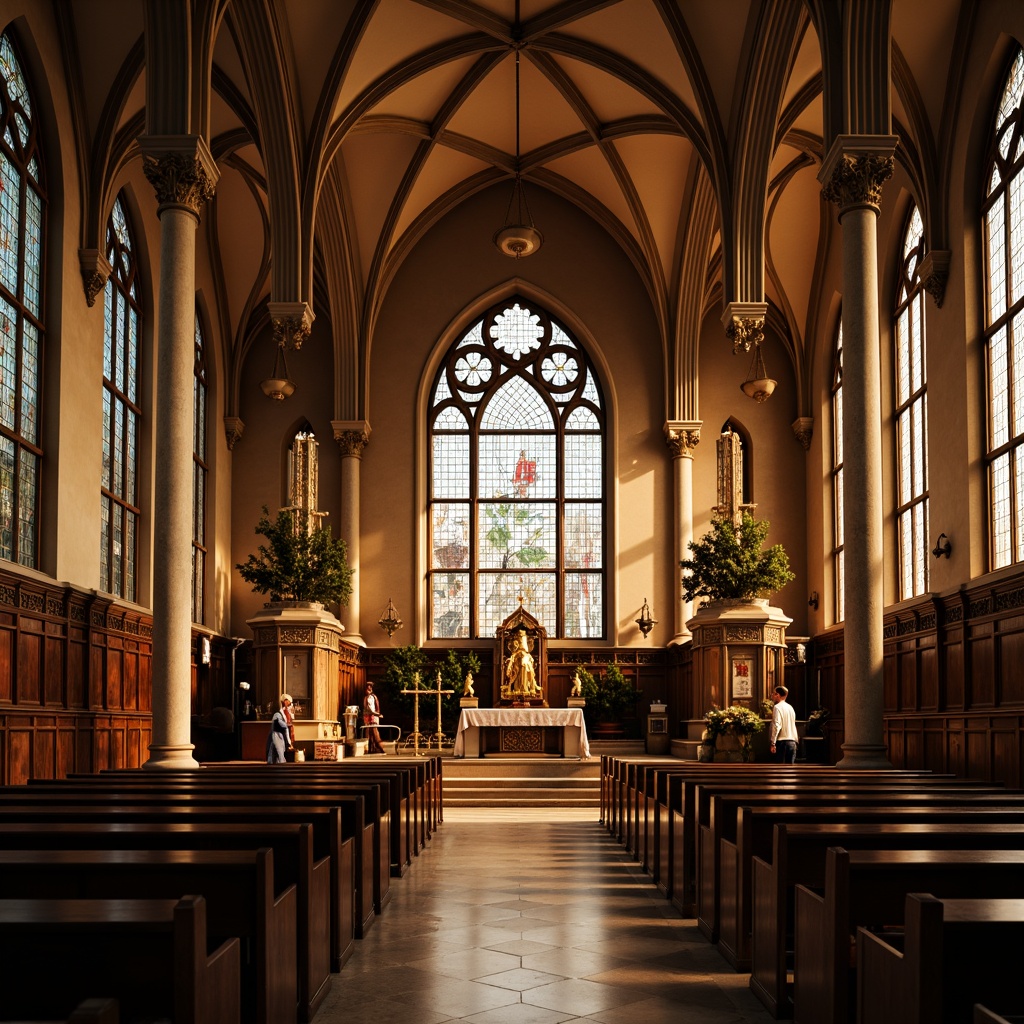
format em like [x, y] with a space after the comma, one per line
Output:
[852, 176]
[352, 437]
[681, 437]
[184, 175]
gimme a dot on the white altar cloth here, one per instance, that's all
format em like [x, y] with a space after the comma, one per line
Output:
[480, 718]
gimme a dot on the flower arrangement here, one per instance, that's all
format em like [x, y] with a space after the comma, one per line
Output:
[816, 721]
[740, 720]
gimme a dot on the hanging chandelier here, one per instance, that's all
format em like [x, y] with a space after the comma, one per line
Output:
[758, 384]
[518, 237]
[277, 386]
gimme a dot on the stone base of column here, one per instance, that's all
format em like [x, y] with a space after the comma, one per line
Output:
[681, 638]
[172, 757]
[865, 757]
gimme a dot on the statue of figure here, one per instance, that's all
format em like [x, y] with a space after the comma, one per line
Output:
[467, 686]
[577, 685]
[519, 670]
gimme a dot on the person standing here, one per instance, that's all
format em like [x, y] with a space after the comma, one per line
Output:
[371, 716]
[783, 735]
[281, 736]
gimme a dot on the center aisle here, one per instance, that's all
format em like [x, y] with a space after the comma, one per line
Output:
[533, 916]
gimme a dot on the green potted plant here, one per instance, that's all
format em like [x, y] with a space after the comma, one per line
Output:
[608, 700]
[737, 724]
[296, 564]
[731, 564]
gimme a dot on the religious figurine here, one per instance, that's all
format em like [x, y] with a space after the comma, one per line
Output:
[519, 671]
[467, 686]
[577, 685]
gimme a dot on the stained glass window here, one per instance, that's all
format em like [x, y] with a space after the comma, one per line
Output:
[911, 409]
[200, 471]
[22, 230]
[1003, 232]
[517, 480]
[838, 564]
[119, 518]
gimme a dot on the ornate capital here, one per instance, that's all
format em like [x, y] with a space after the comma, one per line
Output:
[744, 324]
[95, 273]
[855, 169]
[682, 437]
[291, 322]
[803, 428]
[934, 273]
[352, 436]
[181, 170]
[233, 428]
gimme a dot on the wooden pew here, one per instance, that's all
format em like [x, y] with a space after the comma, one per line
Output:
[151, 955]
[294, 864]
[327, 842]
[983, 1015]
[729, 842]
[952, 954]
[869, 887]
[241, 902]
[191, 795]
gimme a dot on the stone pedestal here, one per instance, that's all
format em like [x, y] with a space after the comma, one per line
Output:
[469, 702]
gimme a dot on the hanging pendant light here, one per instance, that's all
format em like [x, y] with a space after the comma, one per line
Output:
[518, 237]
[277, 386]
[758, 384]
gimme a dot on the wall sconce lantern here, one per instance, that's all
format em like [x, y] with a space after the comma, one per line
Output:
[645, 622]
[942, 546]
[278, 386]
[389, 620]
[813, 600]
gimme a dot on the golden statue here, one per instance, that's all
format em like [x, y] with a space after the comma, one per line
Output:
[577, 685]
[519, 670]
[467, 686]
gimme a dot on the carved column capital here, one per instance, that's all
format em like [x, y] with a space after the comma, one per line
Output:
[233, 428]
[352, 437]
[181, 170]
[96, 272]
[291, 322]
[744, 324]
[934, 273]
[803, 429]
[682, 436]
[855, 169]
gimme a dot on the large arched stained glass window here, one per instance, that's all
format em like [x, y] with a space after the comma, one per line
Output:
[22, 227]
[516, 479]
[1003, 228]
[911, 408]
[121, 412]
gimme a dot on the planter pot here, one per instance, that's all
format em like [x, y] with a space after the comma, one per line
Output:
[734, 748]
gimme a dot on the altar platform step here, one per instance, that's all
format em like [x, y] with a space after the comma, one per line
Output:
[522, 782]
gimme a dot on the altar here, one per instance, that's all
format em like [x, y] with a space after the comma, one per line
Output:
[557, 732]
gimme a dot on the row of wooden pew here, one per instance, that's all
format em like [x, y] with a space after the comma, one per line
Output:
[226, 894]
[848, 896]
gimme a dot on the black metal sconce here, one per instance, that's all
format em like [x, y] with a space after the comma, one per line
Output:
[942, 546]
[812, 601]
[645, 622]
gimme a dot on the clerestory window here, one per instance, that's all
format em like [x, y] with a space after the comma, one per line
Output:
[516, 479]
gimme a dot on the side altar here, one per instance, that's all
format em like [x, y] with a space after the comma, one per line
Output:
[512, 732]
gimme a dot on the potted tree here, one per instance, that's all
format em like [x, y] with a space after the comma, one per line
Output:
[296, 564]
[607, 701]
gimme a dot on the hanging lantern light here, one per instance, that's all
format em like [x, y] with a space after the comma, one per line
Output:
[278, 386]
[758, 384]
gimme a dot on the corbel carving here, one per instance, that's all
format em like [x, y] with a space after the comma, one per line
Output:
[291, 322]
[803, 428]
[233, 428]
[744, 324]
[934, 273]
[96, 272]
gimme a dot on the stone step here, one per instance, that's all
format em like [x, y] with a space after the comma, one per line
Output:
[522, 782]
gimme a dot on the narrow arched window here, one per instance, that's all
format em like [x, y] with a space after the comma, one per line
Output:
[1003, 228]
[121, 412]
[911, 414]
[200, 472]
[22, 231]
[838, 538]
[516, 502]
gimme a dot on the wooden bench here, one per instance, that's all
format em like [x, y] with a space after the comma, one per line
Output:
[952, 954]
[869, 887]
[151, 955]
[241, 902]
[294, 864]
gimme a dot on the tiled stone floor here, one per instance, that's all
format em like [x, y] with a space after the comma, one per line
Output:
[533, 916]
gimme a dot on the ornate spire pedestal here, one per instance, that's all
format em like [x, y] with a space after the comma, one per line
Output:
[297, 644]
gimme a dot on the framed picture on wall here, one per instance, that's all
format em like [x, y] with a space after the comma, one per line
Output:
[742, 676]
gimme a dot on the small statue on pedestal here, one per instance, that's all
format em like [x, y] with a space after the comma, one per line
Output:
[467, 686]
